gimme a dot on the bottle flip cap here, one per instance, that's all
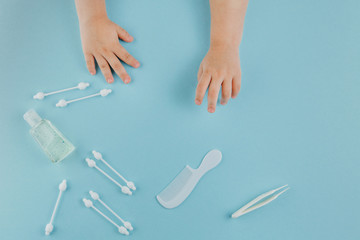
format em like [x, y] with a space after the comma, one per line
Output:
[32, 118]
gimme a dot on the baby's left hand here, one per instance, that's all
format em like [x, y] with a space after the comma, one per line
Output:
[219, 68]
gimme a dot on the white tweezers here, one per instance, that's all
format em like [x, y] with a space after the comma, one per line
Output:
[251, 206]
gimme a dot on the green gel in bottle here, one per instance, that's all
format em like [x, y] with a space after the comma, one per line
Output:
[51, 140]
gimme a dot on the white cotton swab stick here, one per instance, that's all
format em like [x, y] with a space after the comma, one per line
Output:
[89, 204]
[91, 163]
[96, 197]
[49, 227]
[42, 95]
[103, 93]
[98, 156]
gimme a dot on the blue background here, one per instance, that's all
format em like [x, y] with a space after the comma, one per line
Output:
[295, 121]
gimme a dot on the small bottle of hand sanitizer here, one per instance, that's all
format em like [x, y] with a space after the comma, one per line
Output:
[51, 140]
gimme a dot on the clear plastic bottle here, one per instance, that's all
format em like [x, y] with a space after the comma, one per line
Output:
[51, 140]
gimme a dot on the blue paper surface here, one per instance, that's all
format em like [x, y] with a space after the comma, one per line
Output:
[296, 121]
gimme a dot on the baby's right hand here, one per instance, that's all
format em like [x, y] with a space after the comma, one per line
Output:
[100, 40]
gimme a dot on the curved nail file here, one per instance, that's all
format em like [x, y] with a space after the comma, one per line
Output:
[183, 184]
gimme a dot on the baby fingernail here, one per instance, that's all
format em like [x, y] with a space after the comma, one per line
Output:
[127, 80]
[137, 64]
[109, 80]
[211, 110]
[197, 102]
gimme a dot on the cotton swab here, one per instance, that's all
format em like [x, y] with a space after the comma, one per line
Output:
[42, 95]
[91, 163]
[49, 227]
[98, 156]
[96, 197]
[251, 207]
[103, 93]
[89, 204]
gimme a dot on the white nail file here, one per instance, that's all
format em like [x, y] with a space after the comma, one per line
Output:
[180, 188]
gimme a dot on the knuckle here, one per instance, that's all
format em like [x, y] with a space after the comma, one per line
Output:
[207, 72]
[236, 91]
[125, 33]
[87, 56]
[228, 77]
[122, 31]
[221, 72]
[104, 49]
[218, 73]
[123, 76]
[89, 62]
[202, 86]
[103, 65]
[114, 45]
[117, 66]
[107, 74]
[127, 57]
[215, 75]
[199, 93]
[212, 93]
[226, 95]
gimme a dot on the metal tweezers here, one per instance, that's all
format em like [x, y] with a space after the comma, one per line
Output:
[251, 206]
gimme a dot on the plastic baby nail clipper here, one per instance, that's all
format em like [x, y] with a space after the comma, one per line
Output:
[251, 206]
[80, 86]
[96, 197]
[103, 93]
[91, 163]
[49, 227]
[89, 204]
[98, 156]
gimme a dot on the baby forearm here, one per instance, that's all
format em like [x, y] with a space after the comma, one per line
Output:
[227, 21]
[89, 9]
